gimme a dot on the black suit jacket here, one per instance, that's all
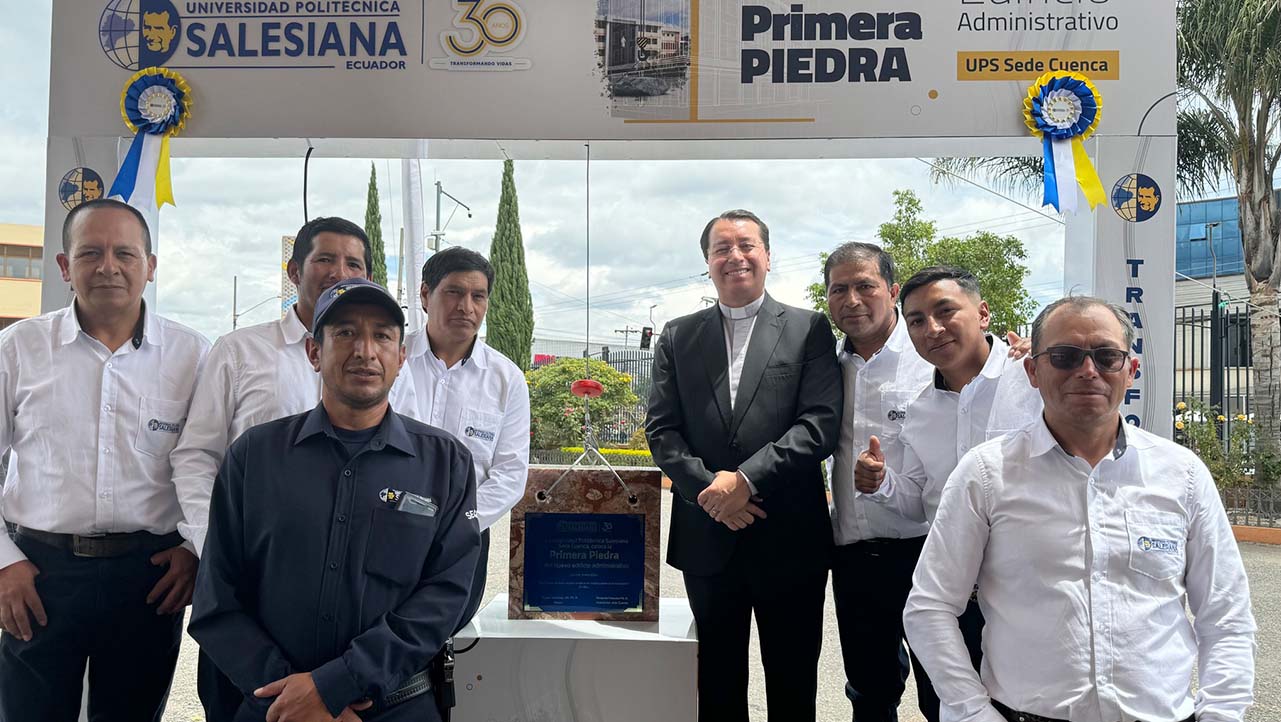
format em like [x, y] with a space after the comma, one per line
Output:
[785, 421]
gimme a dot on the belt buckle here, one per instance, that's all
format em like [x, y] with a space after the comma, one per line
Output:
[88, 547]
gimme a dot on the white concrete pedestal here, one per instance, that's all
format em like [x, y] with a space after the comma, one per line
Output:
[558, 670]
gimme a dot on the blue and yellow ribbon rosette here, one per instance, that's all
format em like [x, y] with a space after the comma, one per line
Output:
[1063, 109]
[155, 104]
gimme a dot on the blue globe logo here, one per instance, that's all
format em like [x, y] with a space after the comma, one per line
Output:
[1136, 198]
[79, 185]
[137, 34]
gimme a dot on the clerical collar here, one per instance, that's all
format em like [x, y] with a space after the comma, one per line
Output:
[738, 314]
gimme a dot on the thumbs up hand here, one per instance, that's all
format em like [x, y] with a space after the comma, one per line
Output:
[869, 469]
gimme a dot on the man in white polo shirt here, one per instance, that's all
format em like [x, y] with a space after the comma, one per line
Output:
[978, 393]
[100, 563]
[1086, 537]
[470, 390]
[261, 373]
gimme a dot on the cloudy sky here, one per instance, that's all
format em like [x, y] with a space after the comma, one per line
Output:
[645, 216]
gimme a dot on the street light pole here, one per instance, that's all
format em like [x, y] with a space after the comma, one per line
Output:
[236, 314]
[439, 233]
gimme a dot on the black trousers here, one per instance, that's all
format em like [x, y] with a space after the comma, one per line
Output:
[870, 581]
[98, 615]
[788, 606]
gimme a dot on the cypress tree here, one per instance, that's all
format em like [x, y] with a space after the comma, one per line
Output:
[511, 310]
[374, 229]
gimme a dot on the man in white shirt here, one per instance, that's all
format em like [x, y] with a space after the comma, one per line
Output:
[470, 390]
[1086, 536]
[261, 373]
[876, 547]
[978, 392]
[92, 398]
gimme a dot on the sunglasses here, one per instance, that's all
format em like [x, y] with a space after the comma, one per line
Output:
[1067, 358]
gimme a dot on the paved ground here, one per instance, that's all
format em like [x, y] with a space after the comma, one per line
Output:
[1262, 562]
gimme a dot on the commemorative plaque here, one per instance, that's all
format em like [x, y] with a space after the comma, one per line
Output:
[584, 545]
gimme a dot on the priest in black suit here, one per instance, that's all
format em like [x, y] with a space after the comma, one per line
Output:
[745, 406]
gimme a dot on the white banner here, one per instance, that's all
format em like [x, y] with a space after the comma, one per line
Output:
[597, 70]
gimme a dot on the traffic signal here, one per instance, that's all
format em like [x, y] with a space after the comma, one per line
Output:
[647, 333]
[604, 354]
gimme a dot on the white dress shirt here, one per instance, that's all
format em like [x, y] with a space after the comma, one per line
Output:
[1082, 576]
[484, 401]
[943, 425]
[253, 375]
[877, 393]
[738, 324]
[90, 430]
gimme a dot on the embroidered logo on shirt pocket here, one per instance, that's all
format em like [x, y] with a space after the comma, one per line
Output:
[1156, 542]
[894, 404]
[160, 421]
[480, 431]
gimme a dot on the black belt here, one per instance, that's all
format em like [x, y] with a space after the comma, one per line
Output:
[1016, 716]
[103, 546]
[415, 686]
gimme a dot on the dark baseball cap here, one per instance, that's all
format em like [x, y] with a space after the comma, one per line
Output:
[355, 290]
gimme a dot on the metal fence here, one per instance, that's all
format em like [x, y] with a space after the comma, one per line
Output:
[1212, 358]
[1247, 506]
[617, 426]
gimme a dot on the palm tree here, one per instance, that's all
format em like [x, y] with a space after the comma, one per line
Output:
[1229, 124]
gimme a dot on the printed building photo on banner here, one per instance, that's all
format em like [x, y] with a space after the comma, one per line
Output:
[643, 57]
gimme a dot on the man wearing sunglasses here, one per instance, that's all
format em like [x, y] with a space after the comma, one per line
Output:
[1085, 536]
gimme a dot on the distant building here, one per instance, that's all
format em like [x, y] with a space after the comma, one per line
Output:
[1200, 268]
[21, 262]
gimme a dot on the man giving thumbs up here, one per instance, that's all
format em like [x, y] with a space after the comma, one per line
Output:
[869, 468]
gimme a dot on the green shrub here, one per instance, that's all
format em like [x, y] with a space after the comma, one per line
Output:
[1234, 461]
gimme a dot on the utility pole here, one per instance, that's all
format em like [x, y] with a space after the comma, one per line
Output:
[627, 332]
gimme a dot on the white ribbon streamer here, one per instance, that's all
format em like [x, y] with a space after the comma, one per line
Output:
[1065, 174]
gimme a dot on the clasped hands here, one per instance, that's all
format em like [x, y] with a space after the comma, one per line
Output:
[298, 700]
[729, 501]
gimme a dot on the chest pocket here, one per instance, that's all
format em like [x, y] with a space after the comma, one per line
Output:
[398, 545]
[160, 421]
[480, 432]
[1157, 542]
[894, 409]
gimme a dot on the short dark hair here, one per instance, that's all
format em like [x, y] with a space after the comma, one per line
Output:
[88, 206]
[341, 226]
[858, 251]
[1081, 304]
[738, 214]
[456, 260]
[934, 274]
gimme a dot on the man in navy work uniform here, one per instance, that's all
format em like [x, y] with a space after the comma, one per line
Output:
[92, 398]
[342, 541]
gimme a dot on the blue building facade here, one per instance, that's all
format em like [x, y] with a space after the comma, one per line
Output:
[1192, 252]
